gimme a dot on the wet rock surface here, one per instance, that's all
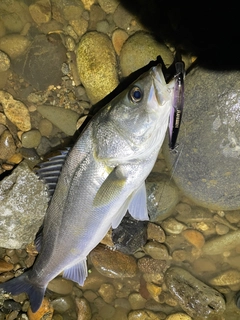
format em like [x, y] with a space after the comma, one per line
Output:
[194, 296]
[21, 209]
[205, 170]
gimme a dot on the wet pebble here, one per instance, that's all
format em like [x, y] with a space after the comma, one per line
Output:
[162, 196]
[119, 36]
[15, 111]
[233, 216]
[4, 62]
[31, 139]
[144, 315]
[107, 292]
[183, 208]
[62, 304]
[136, 301]
[113, 264]
[130, 235]
[173, 226]
[219, 244]
[154, 290]
[226, 278]
[37, 61]
[109, 6]
[139, 50]
[44, 312]
[156, 250]
[149, 265]
[64, 119]
[12, 305]
[221, 229]
[45, 127]
[5, 266]
[84, 310]
[40, 11]
[125, 20]
[99, 61]
[7, 145]
[155, 232]
[14, 45]
[60, 285]
[195, 297]
[194, 237]
[178, 316]
[21, 193]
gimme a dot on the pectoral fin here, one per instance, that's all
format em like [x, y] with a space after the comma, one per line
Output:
[111, 188]
[77, 273]
[138, 205]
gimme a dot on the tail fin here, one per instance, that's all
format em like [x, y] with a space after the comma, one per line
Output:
[22, 284]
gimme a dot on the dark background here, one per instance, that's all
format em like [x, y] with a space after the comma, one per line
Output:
[208, 29]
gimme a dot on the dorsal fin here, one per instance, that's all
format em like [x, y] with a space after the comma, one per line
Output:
[49, 170]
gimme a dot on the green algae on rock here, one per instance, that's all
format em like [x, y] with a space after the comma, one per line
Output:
[97, 65]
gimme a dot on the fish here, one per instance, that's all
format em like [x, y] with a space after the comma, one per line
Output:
[102, 176]
[178, 103]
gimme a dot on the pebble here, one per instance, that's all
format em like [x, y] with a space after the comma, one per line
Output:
[221, 229]
[45, 127]
[162, 196]
[14, 45]
[31, 139]
[7, 145]
[139, 50]
[119, 36]
[5, 266]
[113, 264]
[154, 290]
[109, 6]
[195, 297]
[40, 11]
[62, 304]
[107, 292]
[99, 62]
[194, 237]
[4, 62]
[178, 316]
[60, 285]
[15, 111]
[155, 232]
[156, 250]
[183, 208]
[44, 312]
[143, 315]
[46, 64]
[64, 119]
[220, 244]
[233, 216]
[130, 235]
[84, 310]
[214, 160]
[136, 301]
[149, 265]
[173, 226]
[21, 193]
[125, 20]
[226, 278]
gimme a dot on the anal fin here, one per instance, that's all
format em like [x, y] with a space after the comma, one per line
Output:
[77, 273]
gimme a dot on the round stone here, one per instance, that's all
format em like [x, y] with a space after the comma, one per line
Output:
[97, 65]
[31, 139]
[209, 147]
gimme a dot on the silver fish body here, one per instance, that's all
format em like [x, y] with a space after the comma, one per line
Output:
[103, 177]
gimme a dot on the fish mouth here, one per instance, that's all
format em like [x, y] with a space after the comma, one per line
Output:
[161, 88]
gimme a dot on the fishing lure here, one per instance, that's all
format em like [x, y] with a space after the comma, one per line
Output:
[178, 102]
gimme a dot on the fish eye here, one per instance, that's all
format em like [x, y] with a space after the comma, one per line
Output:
[135, 94]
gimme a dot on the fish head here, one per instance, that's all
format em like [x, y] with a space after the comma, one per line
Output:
[142, 111]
